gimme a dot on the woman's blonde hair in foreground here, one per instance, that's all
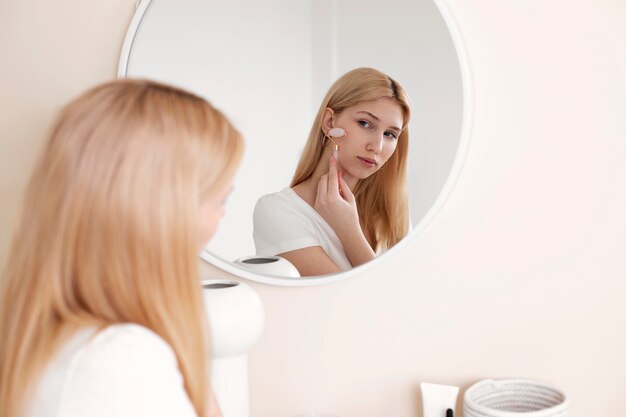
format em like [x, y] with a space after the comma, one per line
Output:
[109, 230]
[381, 198]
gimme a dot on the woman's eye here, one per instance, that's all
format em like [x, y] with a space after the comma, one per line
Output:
[364, 123]
[392, 135]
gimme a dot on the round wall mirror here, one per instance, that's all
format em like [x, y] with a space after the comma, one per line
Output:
[267, 65]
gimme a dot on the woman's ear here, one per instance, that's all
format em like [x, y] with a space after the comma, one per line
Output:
[327, 120]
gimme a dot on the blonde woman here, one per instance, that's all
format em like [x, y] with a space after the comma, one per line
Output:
[345, 207]
[101, 309]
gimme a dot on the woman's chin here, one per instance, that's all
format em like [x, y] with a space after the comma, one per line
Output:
[357, 174]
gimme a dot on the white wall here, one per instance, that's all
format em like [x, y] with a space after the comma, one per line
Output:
[410, 42]
[521, 274]
[246, 66]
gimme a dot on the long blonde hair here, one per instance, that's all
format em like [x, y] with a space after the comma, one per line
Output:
[109, 230]
[381, 198]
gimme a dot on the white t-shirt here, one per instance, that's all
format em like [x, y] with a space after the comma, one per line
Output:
[125, 370]
[284, 222]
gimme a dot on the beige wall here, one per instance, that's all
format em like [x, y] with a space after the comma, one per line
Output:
[50, 52]
[521, 274]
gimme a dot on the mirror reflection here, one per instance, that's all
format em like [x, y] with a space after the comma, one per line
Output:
[269, 67]
[347, 200]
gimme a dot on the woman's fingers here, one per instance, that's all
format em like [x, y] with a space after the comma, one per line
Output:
[333, 177]
[334, 201]
[341, 183]
[346, 193]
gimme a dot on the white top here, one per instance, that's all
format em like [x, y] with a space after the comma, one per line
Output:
[124, 370]
[284, 222]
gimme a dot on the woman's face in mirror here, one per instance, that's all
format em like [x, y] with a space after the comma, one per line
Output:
[372, 130]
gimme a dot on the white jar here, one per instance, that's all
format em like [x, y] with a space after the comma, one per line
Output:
[268, 265]
[236, 319]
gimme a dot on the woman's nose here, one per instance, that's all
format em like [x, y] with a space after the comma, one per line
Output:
[375, 144]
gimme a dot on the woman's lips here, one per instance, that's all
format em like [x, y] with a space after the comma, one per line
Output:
[367, 161]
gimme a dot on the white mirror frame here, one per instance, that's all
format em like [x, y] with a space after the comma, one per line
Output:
[468, 98]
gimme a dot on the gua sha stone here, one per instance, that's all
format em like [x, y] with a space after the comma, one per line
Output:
[336, 135]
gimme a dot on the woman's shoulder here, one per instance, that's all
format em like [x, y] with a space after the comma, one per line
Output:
[128, 367]
[286, 199]
[130, 352]
[128, 342]
[282, 195]
[127, 334]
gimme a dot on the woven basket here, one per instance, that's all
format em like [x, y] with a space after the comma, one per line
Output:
[514, 398]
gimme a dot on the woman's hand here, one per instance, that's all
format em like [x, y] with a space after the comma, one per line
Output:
[336, 203]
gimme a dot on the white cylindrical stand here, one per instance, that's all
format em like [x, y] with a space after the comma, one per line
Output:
[236, 317]
[268, 265]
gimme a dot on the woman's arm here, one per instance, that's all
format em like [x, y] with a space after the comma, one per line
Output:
[355, 245]
[311, 261]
